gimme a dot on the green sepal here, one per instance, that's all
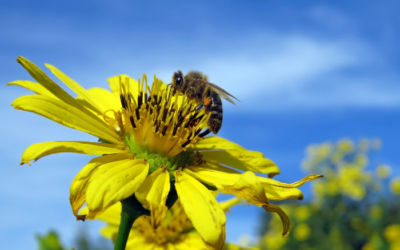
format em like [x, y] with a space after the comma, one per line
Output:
[157, 160]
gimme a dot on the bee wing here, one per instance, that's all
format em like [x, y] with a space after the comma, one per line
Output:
[222, 93]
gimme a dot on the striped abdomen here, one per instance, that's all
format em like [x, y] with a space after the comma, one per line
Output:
[215, 107]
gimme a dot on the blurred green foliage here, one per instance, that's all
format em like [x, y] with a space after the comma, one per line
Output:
[50, 241]
[82, 241]
[355, 206]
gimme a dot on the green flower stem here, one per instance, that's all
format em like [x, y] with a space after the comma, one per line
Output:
[131, 210]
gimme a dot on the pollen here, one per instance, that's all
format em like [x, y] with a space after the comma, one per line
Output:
[160, 120]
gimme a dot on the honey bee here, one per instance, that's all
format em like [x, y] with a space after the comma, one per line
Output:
[195, 85]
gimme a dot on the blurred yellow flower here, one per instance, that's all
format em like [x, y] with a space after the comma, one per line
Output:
[302, 232]
[335, 235]
[175, 232]
[395, 185]
[367, 177]
[357, 191]
[302, 213]
[273, 240]
[361, 160]
[153, 149]
[356, 223]
[332, 187]
[368, 246]
[345, 146]
[230, 246]
[392, 232]
[383, 171]
[318, 188]
[363, 145]
[375, 212]
[395, 245]
[317, 154]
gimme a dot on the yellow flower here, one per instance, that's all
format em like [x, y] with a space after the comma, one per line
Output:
[395, 185]
[361, 160]
[273, 240]
[383, 171]
[368, 246]
[153, 150]
[392, 232]
[230, 246]
[375, 212]
[175, 232]
[302, 213]
[302, 232]
[345, 146]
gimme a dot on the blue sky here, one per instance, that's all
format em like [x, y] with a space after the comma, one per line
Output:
[305, 72]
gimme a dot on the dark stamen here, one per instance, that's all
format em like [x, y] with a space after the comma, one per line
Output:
[132, 121]
[123, 101]
[180, 120]
[158, 123]
[175, 129]
[145, 100]
[164, 130]
[165, 113]
[140, 99]
[205, 133]
[155, 97]
[197, 132]
[137, 114]
[186, 143]
[189, 136]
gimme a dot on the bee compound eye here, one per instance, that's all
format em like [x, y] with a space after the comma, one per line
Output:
[178, 80]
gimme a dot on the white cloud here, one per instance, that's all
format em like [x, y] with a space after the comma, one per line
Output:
[297, 72]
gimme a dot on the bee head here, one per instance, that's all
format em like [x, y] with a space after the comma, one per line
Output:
[178, 80]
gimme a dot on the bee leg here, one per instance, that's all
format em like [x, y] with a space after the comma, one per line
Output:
[199, 107]
[206, 132]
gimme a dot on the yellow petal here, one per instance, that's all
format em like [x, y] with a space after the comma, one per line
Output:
[74, 86]
[214, 177]
[103, 97]
[142, 243]
[247, 188]
[111, 215]
[282, 215]
[109, 232]
[214, 143]
[114, 183]
[51, 86]
[202, 209]
[242, 159]
[66, 115]
[35, 87]
[279, 193]
[276, 190]
[226, 205]
[250, 189]
[153, 193]
[296, 184]
[115, 81]
[39, 150]
[191, 241]
[80, 183]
